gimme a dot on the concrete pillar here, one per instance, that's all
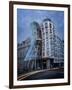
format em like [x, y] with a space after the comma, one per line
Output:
[48, 64]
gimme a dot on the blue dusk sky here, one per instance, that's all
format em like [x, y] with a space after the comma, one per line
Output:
[26, 16]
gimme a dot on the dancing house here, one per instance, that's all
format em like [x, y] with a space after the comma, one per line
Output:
[43, 50]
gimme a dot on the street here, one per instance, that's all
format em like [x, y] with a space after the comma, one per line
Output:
[45, 74]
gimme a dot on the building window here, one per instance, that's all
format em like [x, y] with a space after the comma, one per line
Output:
[47, 43]
[43, 38]
[43, 53]
[50, 30]
[43, 48]
[46, 25]
[46, 33]
[47, 52]
[43, 34]
[42, 29]
[50, 25]
[47, 37]
[43, 44]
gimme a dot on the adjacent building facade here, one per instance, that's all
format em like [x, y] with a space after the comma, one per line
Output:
[22, 50]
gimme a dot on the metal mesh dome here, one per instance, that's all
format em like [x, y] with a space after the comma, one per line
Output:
[47, 19]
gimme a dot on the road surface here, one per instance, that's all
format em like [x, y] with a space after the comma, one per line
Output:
[45, 74]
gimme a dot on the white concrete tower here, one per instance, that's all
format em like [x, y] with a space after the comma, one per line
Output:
[48, 40]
